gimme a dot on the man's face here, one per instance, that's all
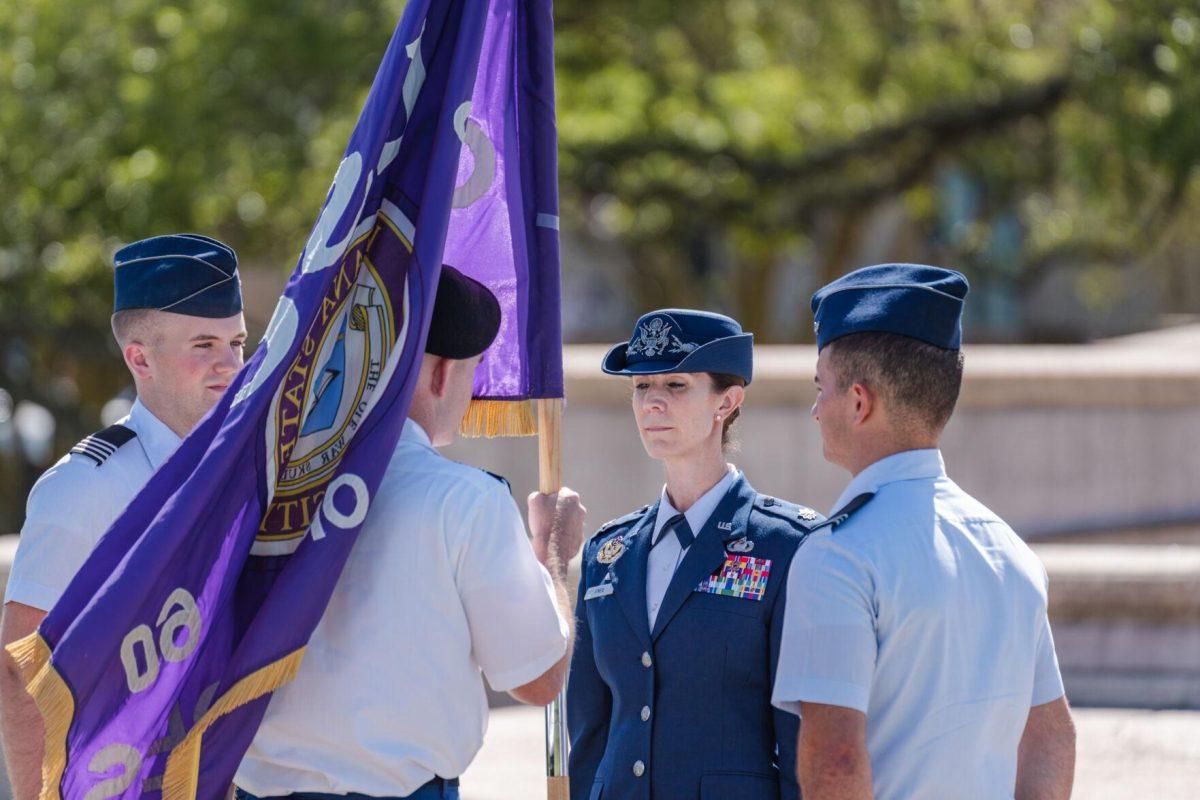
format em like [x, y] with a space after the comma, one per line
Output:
[833, 411]
[192, 360]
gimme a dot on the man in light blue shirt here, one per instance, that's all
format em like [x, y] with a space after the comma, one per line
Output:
[916, 646]
[177, 318]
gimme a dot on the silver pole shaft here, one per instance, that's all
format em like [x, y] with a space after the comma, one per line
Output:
[558, 785]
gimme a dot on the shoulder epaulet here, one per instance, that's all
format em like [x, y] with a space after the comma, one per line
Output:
[613, 523]
[792, 512]
[100, 446]
[844, 513]
[500, 478]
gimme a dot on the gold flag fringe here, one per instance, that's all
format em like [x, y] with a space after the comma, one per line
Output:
[492, 418]
[183, 765]
[53, 699]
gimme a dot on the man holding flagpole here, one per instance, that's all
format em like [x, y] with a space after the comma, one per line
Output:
[156, 666]
[442, 585]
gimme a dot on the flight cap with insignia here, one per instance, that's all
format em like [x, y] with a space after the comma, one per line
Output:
[683, 340]
[183, 273]
[466, 317]
[913, 300]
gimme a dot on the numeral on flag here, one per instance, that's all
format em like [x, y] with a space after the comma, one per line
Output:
[169, 623]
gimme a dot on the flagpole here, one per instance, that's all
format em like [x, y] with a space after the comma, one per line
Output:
[549, 413]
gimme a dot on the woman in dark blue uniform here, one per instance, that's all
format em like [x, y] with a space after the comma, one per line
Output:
[681, 602]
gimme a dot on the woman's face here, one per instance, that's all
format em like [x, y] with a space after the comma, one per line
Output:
[679, 414]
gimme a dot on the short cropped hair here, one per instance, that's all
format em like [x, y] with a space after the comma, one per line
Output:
[919, 382]
[133, 324]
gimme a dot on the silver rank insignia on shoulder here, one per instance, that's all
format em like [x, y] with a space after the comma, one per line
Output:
[808, 515]
[742, 545]
[611, 551]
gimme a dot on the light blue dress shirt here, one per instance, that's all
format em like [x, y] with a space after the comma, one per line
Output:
[927, 613]
[667, 553]
[75, 501]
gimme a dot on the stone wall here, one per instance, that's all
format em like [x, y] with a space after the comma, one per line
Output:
[1054, 439]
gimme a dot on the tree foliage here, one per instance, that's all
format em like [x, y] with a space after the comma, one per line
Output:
[732, 132]
[714, 140]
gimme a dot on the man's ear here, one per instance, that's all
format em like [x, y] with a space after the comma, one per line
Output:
[865, 403]
[439, 375]
[134, 354]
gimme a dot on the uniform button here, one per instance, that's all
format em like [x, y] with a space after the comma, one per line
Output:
[639, 769]
[646, 661]
[645, 713]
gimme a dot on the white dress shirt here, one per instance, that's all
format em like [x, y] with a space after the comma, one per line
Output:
[666, 554]
[927, 613]
[74, 502]
[440, 589]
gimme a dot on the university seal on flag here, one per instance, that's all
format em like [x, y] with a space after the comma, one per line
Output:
[326, 390]
[153, 671]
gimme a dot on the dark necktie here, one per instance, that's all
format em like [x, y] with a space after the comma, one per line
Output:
[683, 531]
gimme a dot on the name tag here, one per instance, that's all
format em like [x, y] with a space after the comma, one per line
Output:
[741, 576]
[599, 590]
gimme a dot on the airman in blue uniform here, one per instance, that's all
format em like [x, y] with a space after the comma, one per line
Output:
[916, 645]
[680, 603]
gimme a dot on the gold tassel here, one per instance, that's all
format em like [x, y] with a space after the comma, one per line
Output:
[492, 418]
[27, 652]
[53, 700]
[183, 765]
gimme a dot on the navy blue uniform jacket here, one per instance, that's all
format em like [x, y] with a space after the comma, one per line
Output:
[684, 711]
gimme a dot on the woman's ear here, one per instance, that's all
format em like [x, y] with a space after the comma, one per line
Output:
[731, 401]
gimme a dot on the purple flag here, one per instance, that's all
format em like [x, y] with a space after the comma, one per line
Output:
[153, 671]
[504, 227]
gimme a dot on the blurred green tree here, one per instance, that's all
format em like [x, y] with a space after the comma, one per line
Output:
[735, 131]
[712, 139]
[134, 117]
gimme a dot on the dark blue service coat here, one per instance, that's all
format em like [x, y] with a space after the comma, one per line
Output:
[684, 710]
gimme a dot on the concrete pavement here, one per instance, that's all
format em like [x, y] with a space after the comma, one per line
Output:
[1123, 754]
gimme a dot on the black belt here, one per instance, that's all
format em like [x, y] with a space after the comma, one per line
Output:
[436, 783]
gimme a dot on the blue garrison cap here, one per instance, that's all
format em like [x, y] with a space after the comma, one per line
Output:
[913, 300]
[184, 273]
[681, 340]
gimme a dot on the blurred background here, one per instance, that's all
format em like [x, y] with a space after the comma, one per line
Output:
[728, 154]
[731, 154]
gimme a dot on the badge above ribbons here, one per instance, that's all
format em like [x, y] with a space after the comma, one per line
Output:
[742, 545]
